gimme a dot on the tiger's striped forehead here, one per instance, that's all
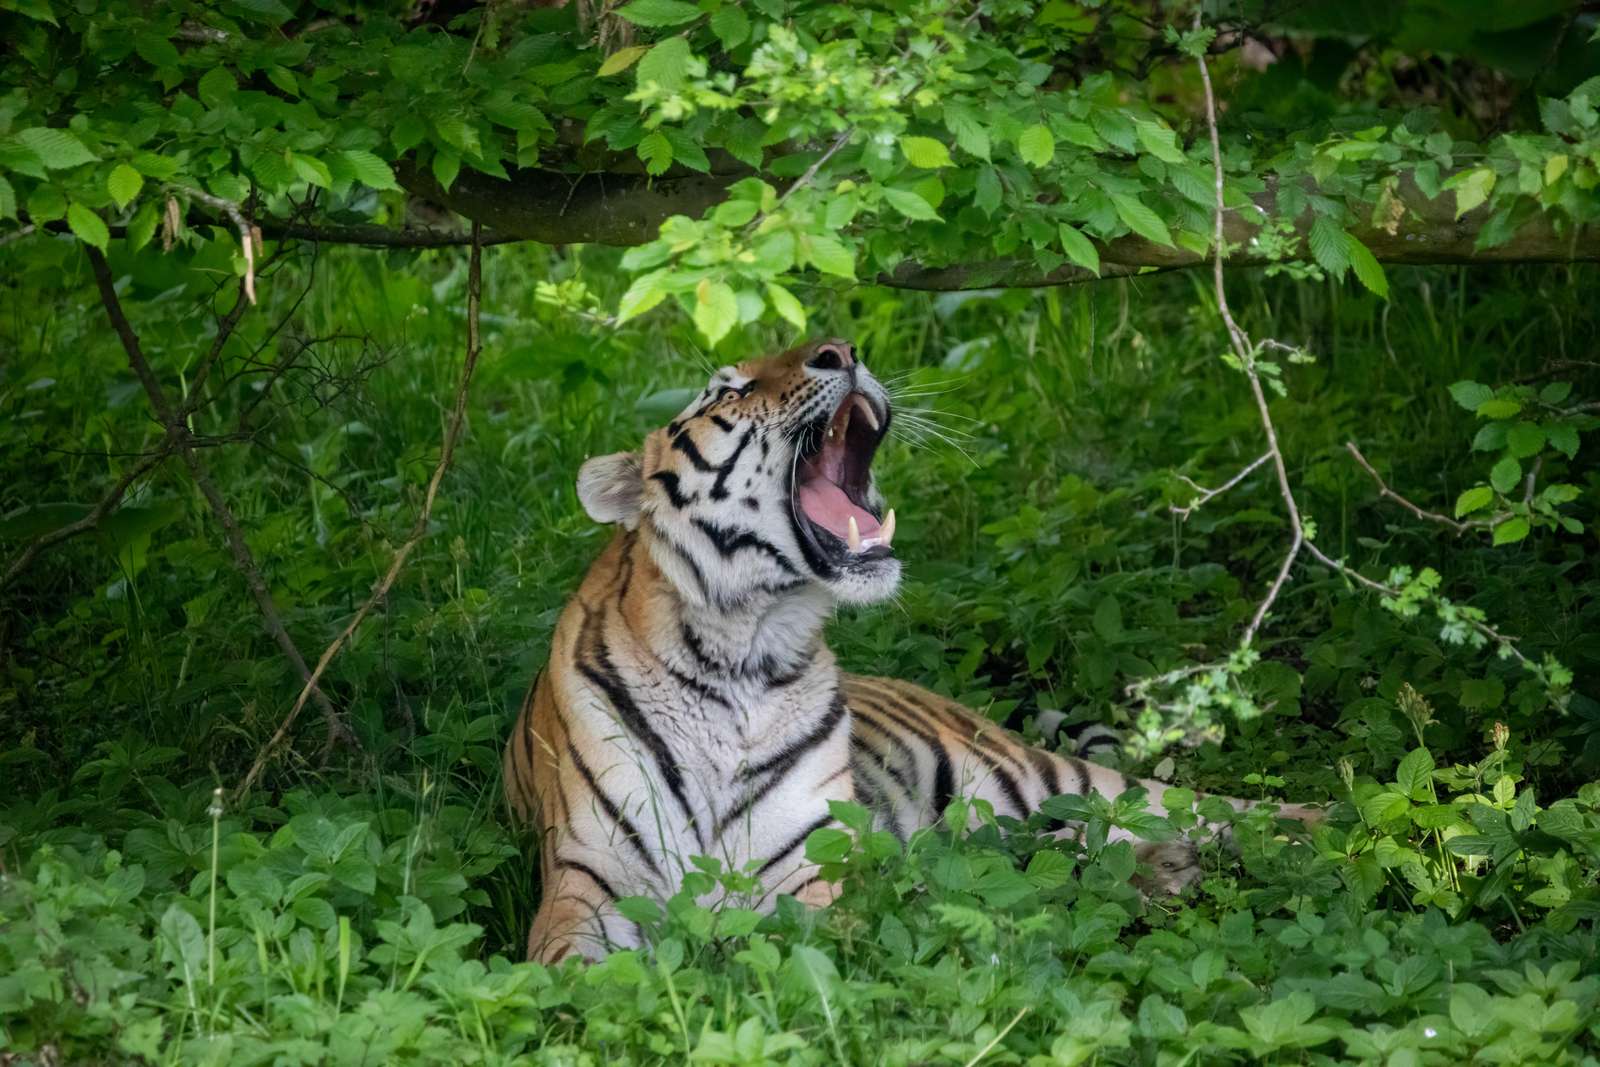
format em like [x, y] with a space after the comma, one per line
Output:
[767, 391]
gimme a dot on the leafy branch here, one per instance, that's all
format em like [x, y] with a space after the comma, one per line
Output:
[1420, 512]
[1212, 684]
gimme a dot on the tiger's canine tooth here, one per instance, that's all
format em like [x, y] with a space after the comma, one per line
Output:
[886, 532]
[855, 535]
[865, 405]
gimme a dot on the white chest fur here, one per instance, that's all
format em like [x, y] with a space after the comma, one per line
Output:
[737, 764]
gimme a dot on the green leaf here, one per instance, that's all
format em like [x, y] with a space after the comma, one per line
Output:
[732, 26]
[785, 304]
[446, 165]
[829, 255]
[1479, 496]
[1037, 145]
[653, 13]
[156, 50]
[621, 60]
[646, 292]
[1160, 141]
[46, 204]
[1563, 437]
[1385, 806]
[1048, 870]
[925, 152]
[969, 132]
[1082, 135]
[1328, 246]
[1141, 220]
[1555, 392]
[986, 193]
[284, 79]
[270, 12]
[1525, 439]
[667, 64]
[143, 225]
[655, 151]
[89, 227]
[216, 87]
[1491, 437]
[1511, 531]
[1485, 693]
[910, 204]
[1472, 188]
[1115, 126]
[827, 845]
[716, 309]
[1108, 619]
[183, 942]
[1470, 394]
[1367, 269]
[1079, 248]
[123, 184]
[1505, 474]
[369, 169]
[56, 149]
[734, 213]
[312, 171]
[1500, 407]
[8, 199]
[1415, 773]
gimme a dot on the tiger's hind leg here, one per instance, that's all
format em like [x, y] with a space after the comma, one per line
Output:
[578, 916]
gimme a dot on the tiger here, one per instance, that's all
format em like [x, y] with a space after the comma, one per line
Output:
[690, 705]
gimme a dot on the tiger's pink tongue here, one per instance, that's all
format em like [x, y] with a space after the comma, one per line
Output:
[826, 505]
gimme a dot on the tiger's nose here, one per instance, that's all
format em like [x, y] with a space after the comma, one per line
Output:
[832, 355]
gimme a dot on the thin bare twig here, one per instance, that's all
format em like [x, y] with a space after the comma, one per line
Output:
[107, 504]
[806, 178]
[175, 421]
[1247, 359]
[148, 460]
[249, 235]
[1531, 480]
[1421, 513]
[1185, 510]
[419, 529]
[1559, 366]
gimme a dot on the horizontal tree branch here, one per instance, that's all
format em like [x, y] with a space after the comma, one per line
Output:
[1427, 233]
[625, 210]
[558, 209]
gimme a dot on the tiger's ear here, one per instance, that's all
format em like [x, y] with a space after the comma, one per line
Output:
[612, 488]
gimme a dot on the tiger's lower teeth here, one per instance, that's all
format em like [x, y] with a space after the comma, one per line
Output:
[884, 536]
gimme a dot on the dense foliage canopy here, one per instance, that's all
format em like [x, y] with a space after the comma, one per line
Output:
[1349, 560]
[927, 143]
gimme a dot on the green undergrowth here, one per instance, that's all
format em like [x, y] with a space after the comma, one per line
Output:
[341, 936]
[369, 908]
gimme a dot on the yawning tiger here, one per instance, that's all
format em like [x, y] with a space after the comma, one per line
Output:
[690, 706]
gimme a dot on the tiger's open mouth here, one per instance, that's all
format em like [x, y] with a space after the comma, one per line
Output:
[832, 479]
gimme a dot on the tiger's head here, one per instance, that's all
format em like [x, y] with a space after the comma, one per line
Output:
[763, 484]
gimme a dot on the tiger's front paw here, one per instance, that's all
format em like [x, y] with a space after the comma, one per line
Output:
[818, 894]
